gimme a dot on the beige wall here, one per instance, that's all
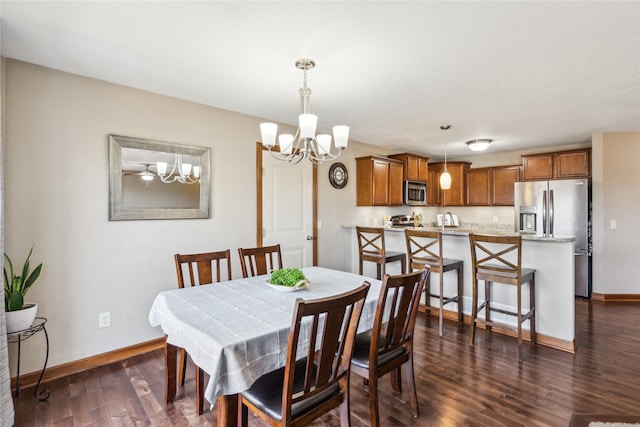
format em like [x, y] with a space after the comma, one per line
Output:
[56, 182]
[616, 197]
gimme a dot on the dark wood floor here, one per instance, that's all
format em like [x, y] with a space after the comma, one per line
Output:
[458, 385]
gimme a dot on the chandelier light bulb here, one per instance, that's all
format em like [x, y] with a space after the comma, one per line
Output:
[162, 168]
[269, 132]
[324, 143]
[341, 136]
[286, 143]
[308, 123]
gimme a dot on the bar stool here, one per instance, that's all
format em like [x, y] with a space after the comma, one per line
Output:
[425, 248]
[371, 248]
[498, 259]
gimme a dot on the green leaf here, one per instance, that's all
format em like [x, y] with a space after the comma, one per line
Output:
[15, 301]
[32, 277]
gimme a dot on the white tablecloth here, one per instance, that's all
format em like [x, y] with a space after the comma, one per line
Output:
[238, 330]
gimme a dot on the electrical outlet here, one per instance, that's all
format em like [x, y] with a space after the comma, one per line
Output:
[104, 319]
[495, 219]
[613, 224]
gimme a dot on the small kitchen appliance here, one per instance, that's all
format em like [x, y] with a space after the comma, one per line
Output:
[415, 193]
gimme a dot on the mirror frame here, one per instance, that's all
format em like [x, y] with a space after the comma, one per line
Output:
[118, 212]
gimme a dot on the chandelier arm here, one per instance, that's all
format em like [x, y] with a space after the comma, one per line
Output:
[290, 158]
[325, 157]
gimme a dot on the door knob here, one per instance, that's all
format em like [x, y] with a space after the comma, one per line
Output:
[309, 237]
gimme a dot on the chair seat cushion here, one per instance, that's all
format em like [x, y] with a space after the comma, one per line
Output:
[361, 349]
[446, 262]
[526, 274]
[266, 392]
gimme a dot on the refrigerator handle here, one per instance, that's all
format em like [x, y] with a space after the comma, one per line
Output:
[544, 213]
[551, 213]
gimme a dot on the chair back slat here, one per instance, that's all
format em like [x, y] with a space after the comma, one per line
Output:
[423, 247]
[331, 323]
[371, 242]
[199, 268]
[396, 312]
[259, 261]
[496, 257]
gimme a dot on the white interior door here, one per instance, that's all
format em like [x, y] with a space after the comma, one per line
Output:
[287, 209]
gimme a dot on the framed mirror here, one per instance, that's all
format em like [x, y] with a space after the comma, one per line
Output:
[157, 180]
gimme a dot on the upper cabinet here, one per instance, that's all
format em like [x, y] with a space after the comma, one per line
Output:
[415, 166]
[503, 179]
[433, 186]
[379, 181]
[558, 165]
[479, 187]
[455, 196]
[491, 186]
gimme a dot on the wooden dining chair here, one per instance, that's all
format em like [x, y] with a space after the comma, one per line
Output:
[371, 247]
[498, 259]
[259, 261]
[425, 248]
[315, 378]
[389, 344]
[195, 270]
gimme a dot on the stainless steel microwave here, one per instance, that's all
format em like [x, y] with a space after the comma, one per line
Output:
[414, 193]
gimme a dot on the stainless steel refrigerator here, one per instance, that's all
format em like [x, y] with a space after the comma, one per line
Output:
[559, 208]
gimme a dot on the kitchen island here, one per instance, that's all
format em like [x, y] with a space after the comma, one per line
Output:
[553, 259]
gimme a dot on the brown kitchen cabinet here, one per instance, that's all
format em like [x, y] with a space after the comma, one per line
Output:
[503, 179]
[379, 181]
[557, 165]
[479, 187]
[492, 186]
[433, 186]
[415, 166]
[455, 196]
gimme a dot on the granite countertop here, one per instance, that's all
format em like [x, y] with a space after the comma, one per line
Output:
[464, 231]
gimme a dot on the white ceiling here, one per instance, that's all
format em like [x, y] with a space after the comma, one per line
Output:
[526, 74]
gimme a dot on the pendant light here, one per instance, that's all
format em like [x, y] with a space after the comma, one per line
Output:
[445, 177]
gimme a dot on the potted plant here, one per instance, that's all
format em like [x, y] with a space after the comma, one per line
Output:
[18, 314]
[288, 279]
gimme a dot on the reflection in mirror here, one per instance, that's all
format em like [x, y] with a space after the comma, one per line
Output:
[157, 180]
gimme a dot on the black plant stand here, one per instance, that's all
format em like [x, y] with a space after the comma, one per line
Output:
[18, 337]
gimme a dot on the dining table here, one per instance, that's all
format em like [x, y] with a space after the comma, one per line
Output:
[238, 330]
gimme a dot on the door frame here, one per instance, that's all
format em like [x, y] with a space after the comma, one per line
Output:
[314, 209]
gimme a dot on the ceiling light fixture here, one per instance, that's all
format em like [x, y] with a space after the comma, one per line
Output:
[479, 144]
[180, 172]
[305, 143]
[147, 175]
[445, 177]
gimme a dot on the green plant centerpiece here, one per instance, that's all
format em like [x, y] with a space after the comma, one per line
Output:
[16, 286]
[291, 278]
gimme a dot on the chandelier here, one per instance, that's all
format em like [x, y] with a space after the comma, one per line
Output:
[305, 143]
[180, 172]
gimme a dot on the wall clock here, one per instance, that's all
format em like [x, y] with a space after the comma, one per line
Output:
[338, 175]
